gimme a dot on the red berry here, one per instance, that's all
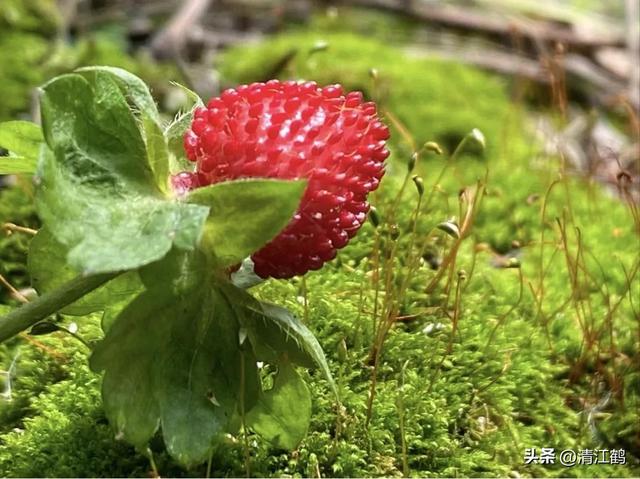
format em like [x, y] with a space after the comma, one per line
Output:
[292, 130]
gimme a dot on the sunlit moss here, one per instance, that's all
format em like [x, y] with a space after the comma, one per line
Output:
[506, 384]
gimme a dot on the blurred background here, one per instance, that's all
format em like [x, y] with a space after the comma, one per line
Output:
[577, 57]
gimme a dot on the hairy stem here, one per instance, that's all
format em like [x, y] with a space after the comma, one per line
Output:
[30, 313]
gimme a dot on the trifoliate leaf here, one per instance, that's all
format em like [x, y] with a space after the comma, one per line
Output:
[172, 359]
[137, 92]
[90, 128]
[97, 191]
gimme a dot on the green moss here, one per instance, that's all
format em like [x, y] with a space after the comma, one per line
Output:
[25, 26]
[16, 206]
[20, 54]
[67, 434]
[442, 102]
[518, 373]
[30, 15]
[365, 22]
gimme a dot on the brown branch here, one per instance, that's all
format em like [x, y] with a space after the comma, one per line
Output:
[469, 19]
[633, 46]
[14, 292]
[606, 87]
[169, 41]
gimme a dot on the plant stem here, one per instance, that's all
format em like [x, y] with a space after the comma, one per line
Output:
[10, 228]
[152, 463]
[372, 388]
[306, 299]
[209, 463]
[247, 453]
[14, 292]
[30, 313]
[403, 437]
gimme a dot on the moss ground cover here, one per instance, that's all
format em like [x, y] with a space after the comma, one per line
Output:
[489, 361]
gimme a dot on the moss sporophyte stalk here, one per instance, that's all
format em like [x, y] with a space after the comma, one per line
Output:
[280, 172]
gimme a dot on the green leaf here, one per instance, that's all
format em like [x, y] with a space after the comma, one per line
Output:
[175, 133]
[12, 165]
[106, 230]
[133, 87]
[90, 128]
[136, 91]
[246, 214]
[283, 413]
[114, 308]
[272, 338]
[191, 95]
[172, 359]
[157, 152]
[275, 331]
[176, 130]
[97, 192]
[22, 138]
[48, 268]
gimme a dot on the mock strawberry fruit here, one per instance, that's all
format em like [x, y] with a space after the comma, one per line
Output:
[293, 130]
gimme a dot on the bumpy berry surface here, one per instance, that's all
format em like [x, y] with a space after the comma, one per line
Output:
[293, 130]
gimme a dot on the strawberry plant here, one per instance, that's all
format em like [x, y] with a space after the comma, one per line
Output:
[151, 234]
